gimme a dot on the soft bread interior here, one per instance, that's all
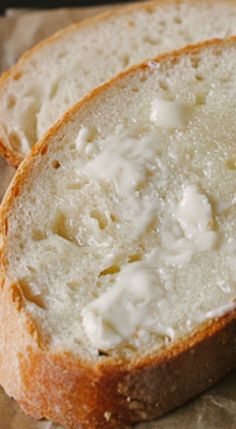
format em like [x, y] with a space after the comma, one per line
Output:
[143, 175]
[58, 74]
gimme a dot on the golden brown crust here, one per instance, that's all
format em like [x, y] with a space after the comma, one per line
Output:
[13, 157]
[112, 393]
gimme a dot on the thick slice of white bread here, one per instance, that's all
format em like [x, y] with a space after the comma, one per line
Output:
[119, 245]
[59, 71]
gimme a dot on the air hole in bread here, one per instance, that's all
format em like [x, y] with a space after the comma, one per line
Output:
[190, 154]
[99, 284]
[162, 24]
[141, 185]
[114, 218]
[11, 101]
[15, 141]
[29, 296]
[163, 85]
[30, 121]
[72, 146]
[38, 235]
[31, 269]
[230, 164]
[61, 55]
[56, 164]
[218, 51]
[125, 60]
[143, 78]
[148, 40]
[86, 72]
[195, 61]
[72, 285]
[225, 79]
[60, 226]
[113, 269]
[93, 134]
[134, 258]
[131, 23]
[186, 36]
[199, 77]
[200, 99]
[54, 89]
[102, 353]
[100, 218]
[178, 20]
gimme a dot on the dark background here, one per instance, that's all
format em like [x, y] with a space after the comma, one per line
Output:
[45, 4]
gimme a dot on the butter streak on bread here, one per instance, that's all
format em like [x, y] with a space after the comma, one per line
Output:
[119, 245]
[59, 71]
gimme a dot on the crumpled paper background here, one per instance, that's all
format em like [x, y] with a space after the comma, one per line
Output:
[216, 408]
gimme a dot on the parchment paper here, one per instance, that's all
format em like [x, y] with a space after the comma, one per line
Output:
[216, 408]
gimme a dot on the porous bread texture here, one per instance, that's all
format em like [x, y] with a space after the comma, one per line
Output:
[71, 231]
[56, 74]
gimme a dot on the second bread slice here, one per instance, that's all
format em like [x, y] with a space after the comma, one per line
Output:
[59, 71]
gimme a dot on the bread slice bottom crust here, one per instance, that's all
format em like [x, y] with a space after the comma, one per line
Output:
[67, 390]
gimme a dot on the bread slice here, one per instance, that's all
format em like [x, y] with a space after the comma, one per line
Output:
[119, 244]
[59, 71]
